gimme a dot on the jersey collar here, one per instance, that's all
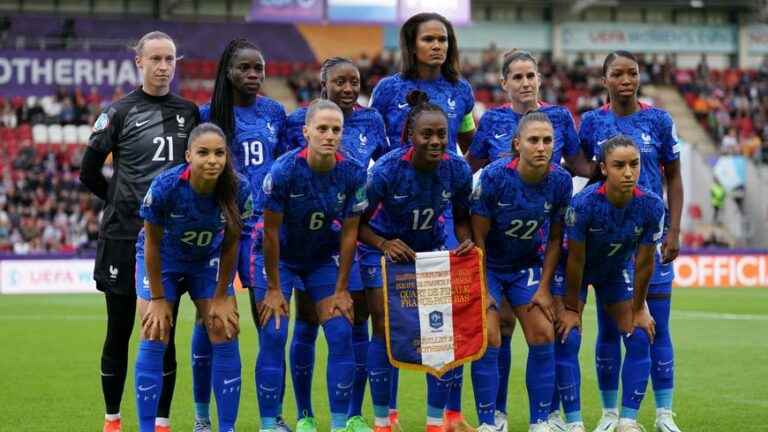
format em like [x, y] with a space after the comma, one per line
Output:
[636, 192]
[305, 152]
[643, 106]
[408, 156]
[186, 173]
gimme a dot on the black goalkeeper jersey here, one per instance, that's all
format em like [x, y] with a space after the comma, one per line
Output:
[145, 134]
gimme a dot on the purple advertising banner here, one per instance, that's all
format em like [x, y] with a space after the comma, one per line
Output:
[287, 10]
[40, 73]
[457, 11]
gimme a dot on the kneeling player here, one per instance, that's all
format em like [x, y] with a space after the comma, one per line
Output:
[517, 212]
[609, 224]
[193, 215]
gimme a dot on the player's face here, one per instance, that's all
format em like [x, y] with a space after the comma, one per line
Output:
[207, 156]
[431, 43]
[323, 132]
[534, 145]
[430, 136]
[157, 63]
[343, 85]
[622, 168]
[246, 71]
[622, 78]
[522, 82]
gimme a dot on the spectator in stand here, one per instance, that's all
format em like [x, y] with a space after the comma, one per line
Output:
[730, 142]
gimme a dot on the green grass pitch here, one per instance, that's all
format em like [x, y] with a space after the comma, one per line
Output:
[50, 348]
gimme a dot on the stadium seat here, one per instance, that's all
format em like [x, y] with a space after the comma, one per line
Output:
[55, 134]
[40, 134]
[83, 134]
[70, 134]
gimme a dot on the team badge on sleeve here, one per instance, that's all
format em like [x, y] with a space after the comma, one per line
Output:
[147, 198]
[101, 123]
[570, 217]
[361, 200]
[267, 185]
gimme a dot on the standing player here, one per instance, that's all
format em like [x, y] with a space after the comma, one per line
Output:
[363, 140]
[610, 224]
[193, 215]
[408, 190]
[521, 80]
[146, 132]
[253, 125]
[430, 63]
[517, 213]
[309, 195]
[653, 131]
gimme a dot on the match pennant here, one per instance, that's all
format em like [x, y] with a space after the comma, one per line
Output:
[435, 311]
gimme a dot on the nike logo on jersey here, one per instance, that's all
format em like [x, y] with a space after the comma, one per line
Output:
[601, 142]
[231, 380]
[293, 195]
[397, 197]
[501, 204]
[665, 273]
[595, 229]
[140, 124]
[402, 105]
[501, 135]
[177, 215]
[142, 388]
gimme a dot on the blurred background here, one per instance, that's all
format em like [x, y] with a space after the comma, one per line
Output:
[62, 61]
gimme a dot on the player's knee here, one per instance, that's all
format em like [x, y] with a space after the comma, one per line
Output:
[572, 345]
[271, 336]
[494, 337]
[377, 325]
[540, 333]
[338, 334]
[638, 344]
[361, 308]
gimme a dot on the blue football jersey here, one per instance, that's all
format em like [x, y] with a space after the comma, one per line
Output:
[457, 100]
[498, 127]
[652, 130]
[363, 139]
[612, 234]
[259, 130]
[521, 214]
[313, 205]
[409, 204]
[193, 224]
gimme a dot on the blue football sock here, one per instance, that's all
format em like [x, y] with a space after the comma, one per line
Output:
[437, 395]
[360, 348]
[540, 380]
[505, 364]
[149, 382]
[302, 360]
[635, 372]
[569, 375]
[227, 381]
[201, 370]
[379, 372]
[485, 382]
[607, 358]
[662, 354]
[454, 395]
[270, 369]
[394, 379]
[341, 368]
